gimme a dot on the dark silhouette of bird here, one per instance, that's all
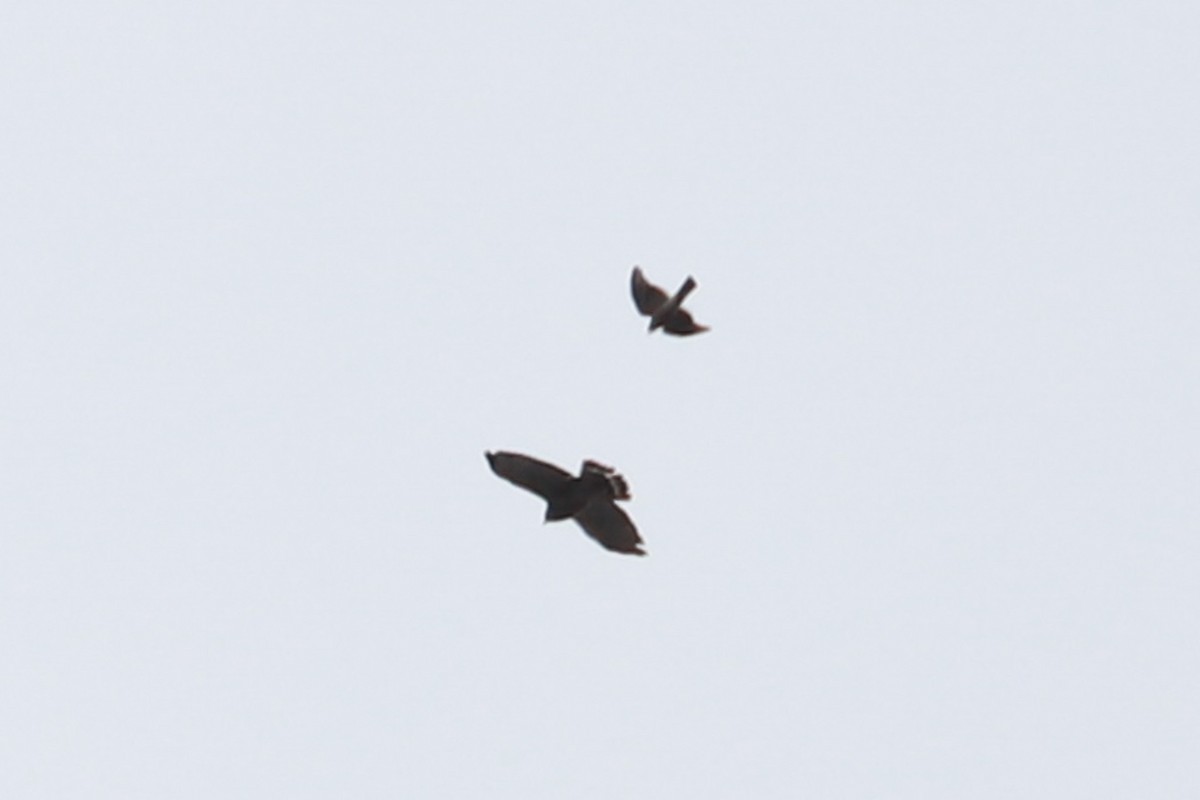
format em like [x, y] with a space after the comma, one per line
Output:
[666, 313]
[589, 499]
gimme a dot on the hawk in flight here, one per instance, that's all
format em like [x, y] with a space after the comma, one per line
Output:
[589, 499]
[664, 312]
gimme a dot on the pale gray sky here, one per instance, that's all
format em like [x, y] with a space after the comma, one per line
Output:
[921, 510]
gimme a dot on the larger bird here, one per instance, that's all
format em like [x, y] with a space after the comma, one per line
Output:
[589, 499]
[664, 312]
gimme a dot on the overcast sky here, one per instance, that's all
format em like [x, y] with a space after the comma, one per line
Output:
[922, 509]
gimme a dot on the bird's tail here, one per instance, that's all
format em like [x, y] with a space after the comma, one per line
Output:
[616, 482]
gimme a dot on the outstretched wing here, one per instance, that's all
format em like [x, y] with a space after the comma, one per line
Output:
[538, 477]
[602, 520]
[646, 296]
[681, 324]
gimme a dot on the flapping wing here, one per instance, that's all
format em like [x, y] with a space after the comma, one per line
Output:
[537, 476]
[646, 296]
[681, 324]
[602, 520]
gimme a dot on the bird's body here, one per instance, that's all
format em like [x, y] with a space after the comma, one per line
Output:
[664, 312]
[589, 499]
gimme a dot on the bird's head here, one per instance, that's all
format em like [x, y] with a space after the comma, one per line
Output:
[556, 512]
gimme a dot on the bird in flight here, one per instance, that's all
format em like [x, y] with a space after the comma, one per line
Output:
[664, 312]
[589, 499]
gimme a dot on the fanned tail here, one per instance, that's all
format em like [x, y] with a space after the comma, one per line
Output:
[620, 489]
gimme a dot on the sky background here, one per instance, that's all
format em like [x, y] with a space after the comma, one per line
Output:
[922, 508]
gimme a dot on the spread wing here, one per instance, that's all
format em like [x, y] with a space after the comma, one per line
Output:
[538, 477]
[681, 324]
[602, 520]
[646, 296]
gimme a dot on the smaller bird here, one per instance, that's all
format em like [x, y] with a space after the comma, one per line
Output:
[666, 313]
[588, 499]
